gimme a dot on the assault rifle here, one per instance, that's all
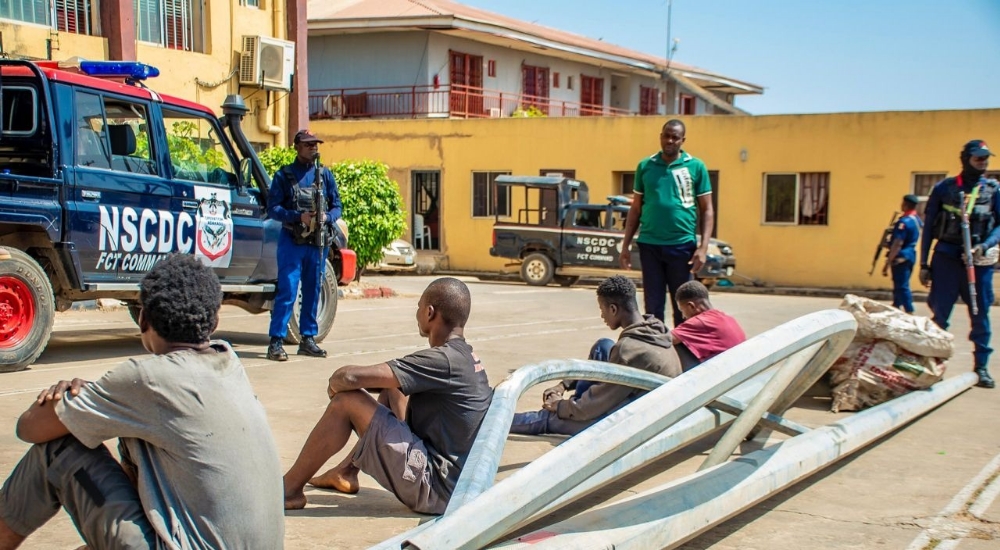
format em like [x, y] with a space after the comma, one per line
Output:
[970, 268]
[884, 242]
[319, 199]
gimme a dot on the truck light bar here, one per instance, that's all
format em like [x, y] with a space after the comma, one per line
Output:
[128, 69]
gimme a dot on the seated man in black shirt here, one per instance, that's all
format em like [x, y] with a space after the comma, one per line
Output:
[445, 394]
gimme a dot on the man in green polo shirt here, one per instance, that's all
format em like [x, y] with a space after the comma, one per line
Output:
[672, 195]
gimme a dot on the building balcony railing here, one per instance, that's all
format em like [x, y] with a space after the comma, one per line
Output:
[442, 102]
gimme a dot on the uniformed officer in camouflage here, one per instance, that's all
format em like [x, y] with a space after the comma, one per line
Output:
[945, 272]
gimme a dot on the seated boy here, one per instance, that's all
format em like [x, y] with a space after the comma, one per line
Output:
[706, 331]
[199, 467]
[644, 343]
[416, 438]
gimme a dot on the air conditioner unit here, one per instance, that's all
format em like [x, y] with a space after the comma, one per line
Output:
[267, 63]
[495, 112]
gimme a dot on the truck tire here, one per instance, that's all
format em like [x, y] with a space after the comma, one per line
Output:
[537, 269]
[325, 312]
[27, 310]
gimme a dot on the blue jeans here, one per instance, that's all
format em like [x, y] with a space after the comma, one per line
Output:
[901, 295]
[548, 422]
[664, 268]
[297, 263]
[948, 283]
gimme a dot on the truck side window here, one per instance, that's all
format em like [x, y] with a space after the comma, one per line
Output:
[20, 109]
[92, 148]
[196, 150]
[112, 134]
[589, 218]
[128, 135]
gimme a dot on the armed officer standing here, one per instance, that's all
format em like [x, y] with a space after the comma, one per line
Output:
[946, 274]
[903, 254]
[299, 203]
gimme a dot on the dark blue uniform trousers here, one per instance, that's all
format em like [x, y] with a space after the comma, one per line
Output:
[948, 283]
[297, 262]
[664, 268]
[901, 295]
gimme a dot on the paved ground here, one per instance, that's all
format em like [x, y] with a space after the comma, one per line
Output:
[901, 492]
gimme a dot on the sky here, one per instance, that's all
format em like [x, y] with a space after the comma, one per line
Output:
[811, 56]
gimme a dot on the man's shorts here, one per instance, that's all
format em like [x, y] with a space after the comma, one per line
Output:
[398, 460]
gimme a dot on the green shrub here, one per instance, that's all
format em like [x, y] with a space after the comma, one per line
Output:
[373, 207]
[273, 158]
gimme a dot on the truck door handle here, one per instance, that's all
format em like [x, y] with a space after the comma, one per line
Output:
[190, 205]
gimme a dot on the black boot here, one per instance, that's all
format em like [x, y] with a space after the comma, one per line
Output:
[276, 351]
[985, 380]
[309, 347]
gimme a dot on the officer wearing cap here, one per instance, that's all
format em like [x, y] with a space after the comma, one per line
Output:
[300, 259]
[902, 254]
[946, 273]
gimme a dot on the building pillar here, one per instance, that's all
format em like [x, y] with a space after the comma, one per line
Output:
[118, 27]
[298, 100]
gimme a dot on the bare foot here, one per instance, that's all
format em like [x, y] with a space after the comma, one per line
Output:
[337, 480]
[296, 501]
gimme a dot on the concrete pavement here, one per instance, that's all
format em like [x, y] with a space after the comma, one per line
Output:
[902, 489]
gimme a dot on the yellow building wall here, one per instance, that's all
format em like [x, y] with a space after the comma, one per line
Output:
[224, 26]
[871, 158]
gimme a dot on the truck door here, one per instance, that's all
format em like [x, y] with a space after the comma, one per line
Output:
[228, 221]
[619, 215]
[588, 239]
[119, 209]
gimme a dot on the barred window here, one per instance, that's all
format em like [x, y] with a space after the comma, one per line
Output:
[797, 199]
[486, 194]
[169, 23]
[75, 16]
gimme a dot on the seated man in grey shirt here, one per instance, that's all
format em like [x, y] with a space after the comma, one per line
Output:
[199, 468]
[416, 438]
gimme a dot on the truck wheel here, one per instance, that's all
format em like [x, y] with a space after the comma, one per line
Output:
[537, 270]
[27, 310]
[325, 312]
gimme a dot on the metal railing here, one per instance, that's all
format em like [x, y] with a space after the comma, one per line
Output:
[443, 102]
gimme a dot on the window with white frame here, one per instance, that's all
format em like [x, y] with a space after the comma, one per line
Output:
[797, 198]
[75, 16]
[923, 182]
[250, 3]
[488, 198]
[174, 24]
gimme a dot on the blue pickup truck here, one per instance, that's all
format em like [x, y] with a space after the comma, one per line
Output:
[101, 177]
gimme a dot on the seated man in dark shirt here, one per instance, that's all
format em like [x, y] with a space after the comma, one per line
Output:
[706, 331]
[445, 394]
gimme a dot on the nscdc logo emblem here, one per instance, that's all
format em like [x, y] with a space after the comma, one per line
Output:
[215, 228]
